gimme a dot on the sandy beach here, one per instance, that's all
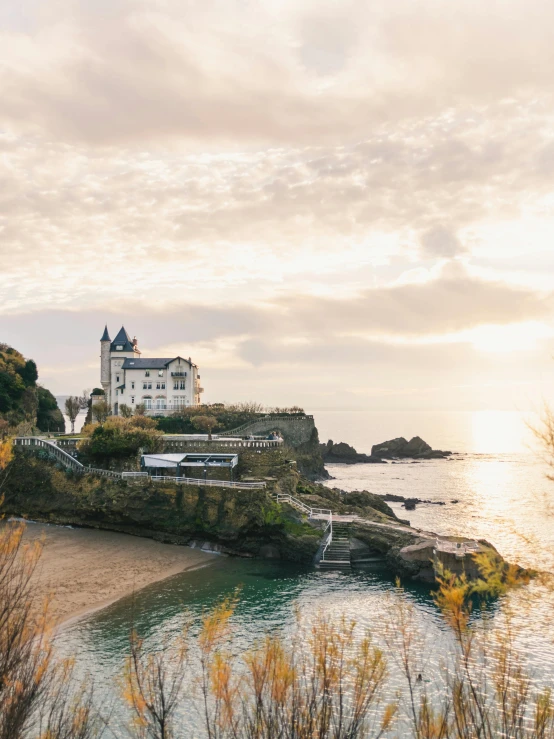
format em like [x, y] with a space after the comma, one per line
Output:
[85, 569]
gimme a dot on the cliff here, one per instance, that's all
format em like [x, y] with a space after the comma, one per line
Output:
[22, 400]
[238, 521]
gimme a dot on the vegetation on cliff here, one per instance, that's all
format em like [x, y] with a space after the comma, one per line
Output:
[119, 438]
[228, 416]
[247, 522]
[21, 399]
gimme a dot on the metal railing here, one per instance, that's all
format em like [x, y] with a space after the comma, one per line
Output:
[298, 504]
[173, 443]
[210, 483]
[69, 461]
[54, 449]
[329, 537]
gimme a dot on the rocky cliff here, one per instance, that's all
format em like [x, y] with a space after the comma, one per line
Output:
[245, 522]
[399, 448]
[22, 400]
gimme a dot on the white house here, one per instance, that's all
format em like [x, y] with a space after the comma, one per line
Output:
[161, 384]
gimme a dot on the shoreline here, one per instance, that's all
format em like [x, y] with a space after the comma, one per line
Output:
[84, 570]
[72, 618]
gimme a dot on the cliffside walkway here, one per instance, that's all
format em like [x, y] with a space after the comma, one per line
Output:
[335, 552]
[326, 514]
[36, 442]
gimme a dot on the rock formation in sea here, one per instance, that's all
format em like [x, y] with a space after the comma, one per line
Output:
[342, 453]
[399, 448]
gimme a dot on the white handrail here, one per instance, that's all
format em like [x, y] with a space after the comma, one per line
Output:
[63, 456]
[210, 483]
[287, 498]
[329, 538]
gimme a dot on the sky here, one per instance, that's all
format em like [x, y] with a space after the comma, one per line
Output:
[331, 204]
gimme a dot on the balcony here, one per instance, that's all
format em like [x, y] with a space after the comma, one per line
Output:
[163, 408]
[178, 374]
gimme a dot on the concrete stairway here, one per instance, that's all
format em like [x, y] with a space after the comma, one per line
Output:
[337, 555]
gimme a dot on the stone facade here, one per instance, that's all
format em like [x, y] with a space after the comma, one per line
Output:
[294, 430]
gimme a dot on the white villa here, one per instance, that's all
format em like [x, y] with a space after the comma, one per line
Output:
[161, 384]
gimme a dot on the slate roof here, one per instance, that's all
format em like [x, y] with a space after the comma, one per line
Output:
[131, 363]
[105, 335]
[122, 339]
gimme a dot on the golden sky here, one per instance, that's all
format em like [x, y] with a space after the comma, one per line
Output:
[338, 204]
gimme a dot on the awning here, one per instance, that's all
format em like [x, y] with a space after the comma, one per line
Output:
[189, 460]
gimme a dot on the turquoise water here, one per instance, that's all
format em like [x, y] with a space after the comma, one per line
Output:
[503, 495]
[269, 595]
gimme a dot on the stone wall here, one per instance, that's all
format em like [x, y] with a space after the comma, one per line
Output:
[295, 430]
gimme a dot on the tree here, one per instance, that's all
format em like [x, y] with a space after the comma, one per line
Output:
[100, 411]
[205, 423]
[29, 403]
[49, 416]
[120, 438]
[84, 398]
[125, 410]
[29, 373]
[72, 407]
[37, 694]
[140, 409]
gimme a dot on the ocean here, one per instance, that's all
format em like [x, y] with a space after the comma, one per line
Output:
[499, 480]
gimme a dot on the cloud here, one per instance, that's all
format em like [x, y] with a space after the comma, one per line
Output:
[284, 72]
[265, 181]
[440, 241]
[454, 300]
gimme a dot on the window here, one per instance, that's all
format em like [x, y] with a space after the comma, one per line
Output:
[147, 386]
[182, 385]
[132, 399]
[160, 373]
[119, 347]
[175, 385]
[117, 378]
[148, 403]
[147, 373]
[163, 385]
[132, 386]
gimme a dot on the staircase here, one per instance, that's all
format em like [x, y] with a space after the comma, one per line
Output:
[336, 555]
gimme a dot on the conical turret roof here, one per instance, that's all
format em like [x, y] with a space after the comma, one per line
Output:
[105, 335]
[122, 340]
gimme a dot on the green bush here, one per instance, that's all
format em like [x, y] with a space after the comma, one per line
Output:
[120, 438]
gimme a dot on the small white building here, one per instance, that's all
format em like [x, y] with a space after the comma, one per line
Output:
[161, 384]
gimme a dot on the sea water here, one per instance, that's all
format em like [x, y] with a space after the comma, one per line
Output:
[503, 495]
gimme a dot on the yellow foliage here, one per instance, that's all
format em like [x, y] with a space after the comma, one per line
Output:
[6, 453]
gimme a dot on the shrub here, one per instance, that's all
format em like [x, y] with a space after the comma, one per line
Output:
[120, 438]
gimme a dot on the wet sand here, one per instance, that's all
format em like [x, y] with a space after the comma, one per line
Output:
[83, 570]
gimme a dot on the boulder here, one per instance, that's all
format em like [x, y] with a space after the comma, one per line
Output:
[416, 447]
[342, 453]
[400, 448]
[392, 448]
